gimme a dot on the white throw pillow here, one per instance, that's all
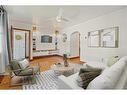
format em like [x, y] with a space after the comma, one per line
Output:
[109, 78]
[24, 63]
[112, 60]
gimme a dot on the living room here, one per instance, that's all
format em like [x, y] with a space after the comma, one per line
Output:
[58, 42]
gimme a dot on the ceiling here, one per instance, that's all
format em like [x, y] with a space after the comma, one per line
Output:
[45, 16]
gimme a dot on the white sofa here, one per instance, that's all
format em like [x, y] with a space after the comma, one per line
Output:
[114, 77]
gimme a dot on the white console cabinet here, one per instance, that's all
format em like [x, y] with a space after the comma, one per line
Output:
[39, 53]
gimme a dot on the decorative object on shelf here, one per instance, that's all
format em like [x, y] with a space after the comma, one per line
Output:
[34, 43]
[18, 37]
[64, 37]
[107, 38]
[65, 60]
[56, 38]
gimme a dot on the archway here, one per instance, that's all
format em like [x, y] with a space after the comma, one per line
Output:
[75, 45]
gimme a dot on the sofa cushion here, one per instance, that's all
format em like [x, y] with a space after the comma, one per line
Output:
[122, 83]
[71, 81]
[24, 63]
[29, 71]
[86, 70]
[86, 76]
[109, 77]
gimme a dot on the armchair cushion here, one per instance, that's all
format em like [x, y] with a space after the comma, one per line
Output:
[24, 63]
[15, 66]
[29, 71]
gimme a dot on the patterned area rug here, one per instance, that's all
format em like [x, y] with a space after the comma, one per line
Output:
[45, 81]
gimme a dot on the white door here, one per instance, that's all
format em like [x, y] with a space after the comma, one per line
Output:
[19, 45]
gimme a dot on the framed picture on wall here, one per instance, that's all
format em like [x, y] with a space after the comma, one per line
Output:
[94, 39]
[109, 37]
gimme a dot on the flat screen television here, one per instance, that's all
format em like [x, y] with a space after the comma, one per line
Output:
[46, 39]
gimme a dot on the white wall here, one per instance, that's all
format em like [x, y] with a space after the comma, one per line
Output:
[40, 31]
[64, 47]
[44, 46]
[117, 18]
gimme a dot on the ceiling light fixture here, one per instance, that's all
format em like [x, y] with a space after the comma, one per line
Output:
[34, 28]
[58, 19]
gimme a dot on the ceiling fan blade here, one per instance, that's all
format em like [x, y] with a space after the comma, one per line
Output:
[59, 16]
[65, 19]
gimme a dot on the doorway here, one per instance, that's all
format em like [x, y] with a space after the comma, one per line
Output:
[20, 43]
[75, 45]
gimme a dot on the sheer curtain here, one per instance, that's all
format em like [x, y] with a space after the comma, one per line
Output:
[4, 40]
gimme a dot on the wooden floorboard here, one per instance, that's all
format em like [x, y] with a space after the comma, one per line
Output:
[45, 64]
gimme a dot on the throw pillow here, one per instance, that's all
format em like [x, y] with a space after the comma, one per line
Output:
[85, 70]
[24, 63]
[112, 60]
[109, 77]
[86, 76]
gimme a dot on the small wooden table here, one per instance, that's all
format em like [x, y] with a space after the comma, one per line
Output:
[62, 70]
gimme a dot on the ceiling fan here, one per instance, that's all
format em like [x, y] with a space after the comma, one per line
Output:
[60, 18]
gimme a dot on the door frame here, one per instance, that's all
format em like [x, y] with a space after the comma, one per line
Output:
[12, 39]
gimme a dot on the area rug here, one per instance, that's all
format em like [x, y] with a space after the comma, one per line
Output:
[47, 80]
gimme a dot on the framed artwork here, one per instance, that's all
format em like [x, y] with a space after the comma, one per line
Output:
[18, 37]
[94, 39]
[109, 37]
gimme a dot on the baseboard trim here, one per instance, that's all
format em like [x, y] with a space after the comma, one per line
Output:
[36, 57]
[74, 57]
[83, 62]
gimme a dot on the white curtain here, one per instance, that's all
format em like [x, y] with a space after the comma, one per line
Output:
[4, 40]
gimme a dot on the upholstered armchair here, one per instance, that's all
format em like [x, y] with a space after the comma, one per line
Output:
[27, 72]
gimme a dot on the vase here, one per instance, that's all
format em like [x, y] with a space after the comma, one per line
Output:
[65, 60]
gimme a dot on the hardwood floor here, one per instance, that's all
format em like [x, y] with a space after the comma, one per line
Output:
[45, 64]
